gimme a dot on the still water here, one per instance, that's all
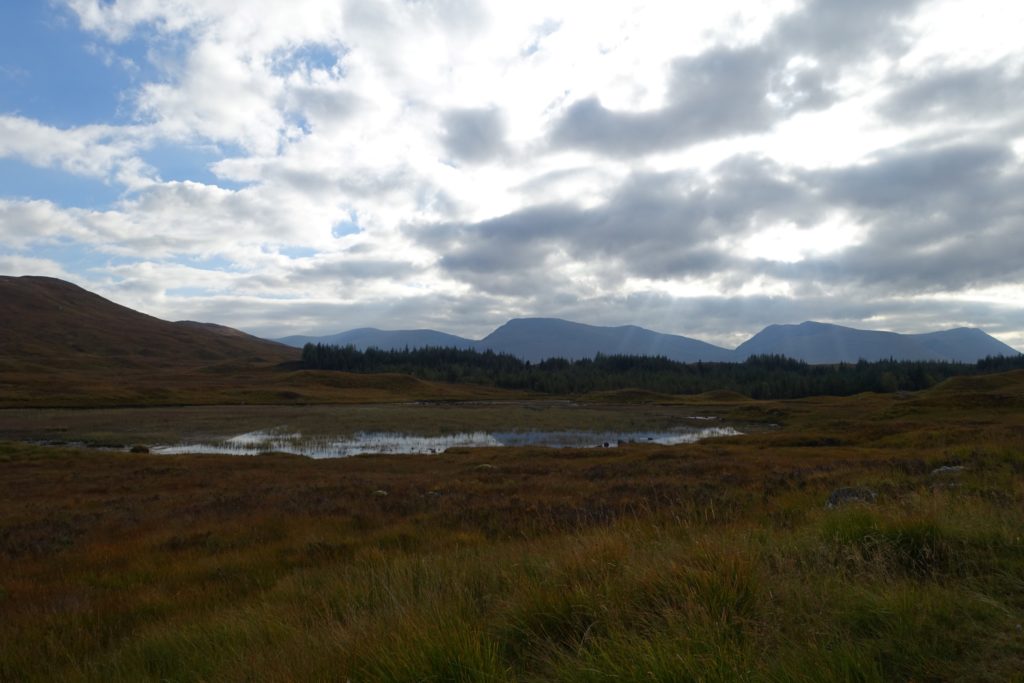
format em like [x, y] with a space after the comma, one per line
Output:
[282, 441]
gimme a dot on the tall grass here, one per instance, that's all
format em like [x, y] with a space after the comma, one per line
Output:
[710, 562]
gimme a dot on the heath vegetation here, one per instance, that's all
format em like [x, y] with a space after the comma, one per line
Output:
[710, 561]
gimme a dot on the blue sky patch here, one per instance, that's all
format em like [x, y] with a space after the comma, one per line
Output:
[294, 251]
[80, 259]
[349, 227]
[308, 56]
[68, 83]
[188, 162]
[20, 180]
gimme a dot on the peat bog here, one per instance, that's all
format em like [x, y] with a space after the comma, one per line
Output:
[716, 560]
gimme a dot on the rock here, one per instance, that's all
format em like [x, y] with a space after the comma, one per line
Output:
[380, 492]
[138, 449]
[948, 469]
[850, 494]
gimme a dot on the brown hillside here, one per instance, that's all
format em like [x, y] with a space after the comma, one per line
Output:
[63, 346]
[53, 323]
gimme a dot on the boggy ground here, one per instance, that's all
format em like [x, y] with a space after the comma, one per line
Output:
[119, 427]
[712, 561]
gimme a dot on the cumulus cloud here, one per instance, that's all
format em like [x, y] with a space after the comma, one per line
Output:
[104, 152]
[473, 135]
[700, 169]
[719, 93]
[972, 94]
[727, 91]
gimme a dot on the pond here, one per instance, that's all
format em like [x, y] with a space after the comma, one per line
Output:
[280, 440]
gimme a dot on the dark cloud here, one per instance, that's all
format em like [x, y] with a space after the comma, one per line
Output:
[970, 94]
[323, 107]
[719, 93]
[474, 135]
[835, 32]
[729, 91]
[656, 225]
[905, 179]
[935, 219]
[938, 219]
[351, 270]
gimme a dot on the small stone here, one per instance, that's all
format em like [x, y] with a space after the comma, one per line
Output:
[850, 494]
[948, 469]
[380, 492]
[485, 466]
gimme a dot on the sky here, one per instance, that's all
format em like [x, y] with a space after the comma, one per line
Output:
[705, 169]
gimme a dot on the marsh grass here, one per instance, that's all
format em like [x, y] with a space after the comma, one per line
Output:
[706, 562]
[192, 424]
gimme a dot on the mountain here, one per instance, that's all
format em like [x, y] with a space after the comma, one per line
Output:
[816, 342]
[534, 339]
[964, 344]
[366, 337]
[52, 323]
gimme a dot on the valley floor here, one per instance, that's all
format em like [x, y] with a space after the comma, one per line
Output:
[710, 561]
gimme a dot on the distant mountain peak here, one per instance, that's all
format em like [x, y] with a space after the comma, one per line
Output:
[537, 338]
[816, 342]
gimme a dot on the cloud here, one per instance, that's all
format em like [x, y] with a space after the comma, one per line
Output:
[473, 135]
[837, 32]
[655, 225]
[719, 93]
[104, 152]
[728, 91]
[696, 168]
[24, 223]
[14, 264]
[941, 218]
[972, 95]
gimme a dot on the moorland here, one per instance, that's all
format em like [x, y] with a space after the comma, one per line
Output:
[713, 561]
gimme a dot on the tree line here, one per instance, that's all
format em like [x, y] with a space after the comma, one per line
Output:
[761, 377]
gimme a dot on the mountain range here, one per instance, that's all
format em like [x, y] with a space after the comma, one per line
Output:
[51, 323]
[535, 339]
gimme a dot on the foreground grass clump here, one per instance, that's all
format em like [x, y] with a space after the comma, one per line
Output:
[712, 561]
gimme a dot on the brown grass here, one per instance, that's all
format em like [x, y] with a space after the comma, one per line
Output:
[713, 561]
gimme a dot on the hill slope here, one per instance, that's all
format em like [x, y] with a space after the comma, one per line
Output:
[824, 343]
[52, 323]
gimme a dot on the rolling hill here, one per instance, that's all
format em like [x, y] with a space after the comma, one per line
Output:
[55, 324]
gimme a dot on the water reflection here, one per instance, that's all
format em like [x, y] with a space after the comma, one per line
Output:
[281, 441]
